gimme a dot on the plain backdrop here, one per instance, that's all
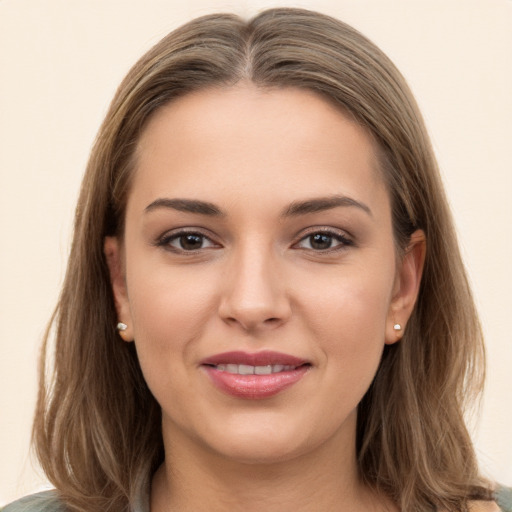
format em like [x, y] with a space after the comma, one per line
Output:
[60, 62]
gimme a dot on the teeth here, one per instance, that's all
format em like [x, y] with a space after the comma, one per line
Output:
[263, 370]
[246, 369]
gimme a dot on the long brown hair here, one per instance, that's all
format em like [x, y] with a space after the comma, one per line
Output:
[97, 429]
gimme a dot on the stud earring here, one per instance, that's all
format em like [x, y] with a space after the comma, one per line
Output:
[121, 327]
[397, 327]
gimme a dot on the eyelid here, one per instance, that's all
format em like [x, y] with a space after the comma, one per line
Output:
[345, 239]
[174, 234]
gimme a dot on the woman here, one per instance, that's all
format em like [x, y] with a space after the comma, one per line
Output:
[263, 220]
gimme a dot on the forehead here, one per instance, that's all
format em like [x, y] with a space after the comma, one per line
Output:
[253, 141]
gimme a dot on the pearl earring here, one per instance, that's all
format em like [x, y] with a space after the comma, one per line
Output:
[121, 327]
[397, 327]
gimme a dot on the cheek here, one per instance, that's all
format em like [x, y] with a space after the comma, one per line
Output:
[167, 299]
[353, 303]
[170, 309]
[348, 315]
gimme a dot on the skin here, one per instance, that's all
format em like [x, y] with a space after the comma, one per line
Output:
[256, 282]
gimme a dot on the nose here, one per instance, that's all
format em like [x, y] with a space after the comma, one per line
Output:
[254, 292]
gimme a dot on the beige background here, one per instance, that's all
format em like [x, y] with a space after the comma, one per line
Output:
[60, 62]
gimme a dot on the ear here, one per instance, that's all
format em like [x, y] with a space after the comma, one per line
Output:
[406, 287]
[114, 255]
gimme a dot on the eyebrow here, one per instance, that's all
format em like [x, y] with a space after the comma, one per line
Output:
[185, 205]
[294, 209]
[323, 203]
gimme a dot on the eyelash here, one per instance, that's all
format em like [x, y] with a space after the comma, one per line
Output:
[166, 241]
[343, 241]
[333, 235]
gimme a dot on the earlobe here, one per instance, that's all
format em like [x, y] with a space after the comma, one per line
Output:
[407, 286]
[113, 254]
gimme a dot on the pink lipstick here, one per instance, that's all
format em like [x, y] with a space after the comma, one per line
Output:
[254, 376]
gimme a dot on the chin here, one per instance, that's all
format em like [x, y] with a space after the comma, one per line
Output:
[258, 443]
[260, 452]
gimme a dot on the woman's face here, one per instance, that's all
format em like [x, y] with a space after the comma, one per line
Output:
[258, 274]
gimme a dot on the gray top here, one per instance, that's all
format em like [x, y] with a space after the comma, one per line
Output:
[49, 502]
[41, 502]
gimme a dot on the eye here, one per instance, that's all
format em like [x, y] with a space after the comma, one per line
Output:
[324, 241]
[187, 241]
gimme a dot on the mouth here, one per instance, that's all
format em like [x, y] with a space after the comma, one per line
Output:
[246, 369]
[254, 376]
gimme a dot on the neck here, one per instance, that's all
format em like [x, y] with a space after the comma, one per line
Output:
[324, 479]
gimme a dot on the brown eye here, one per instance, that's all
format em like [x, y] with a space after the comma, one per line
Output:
[320, 241]
[187, 242]
[324, 241]
[191, 242]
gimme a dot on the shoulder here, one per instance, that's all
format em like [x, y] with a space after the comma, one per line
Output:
[503, 496]
[47, 501]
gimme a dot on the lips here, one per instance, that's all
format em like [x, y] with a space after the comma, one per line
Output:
[254, 376]
[247, 369]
